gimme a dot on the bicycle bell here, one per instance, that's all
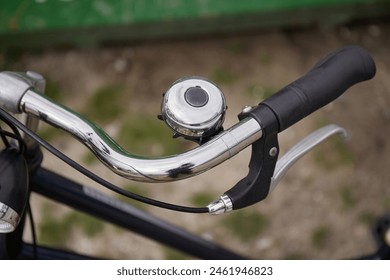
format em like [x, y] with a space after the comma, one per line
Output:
[194, 108]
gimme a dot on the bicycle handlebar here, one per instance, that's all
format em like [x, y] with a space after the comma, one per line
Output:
[138, 168]
[326, 81]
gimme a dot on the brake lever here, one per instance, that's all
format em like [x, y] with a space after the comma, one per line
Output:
[267, 183]
[303, 147]
[255, 186]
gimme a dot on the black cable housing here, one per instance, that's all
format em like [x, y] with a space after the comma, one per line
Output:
[13, 122]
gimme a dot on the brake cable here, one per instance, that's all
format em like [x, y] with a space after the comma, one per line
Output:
[161, 204]
[14, 135]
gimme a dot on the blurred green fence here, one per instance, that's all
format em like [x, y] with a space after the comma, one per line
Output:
[38, 23]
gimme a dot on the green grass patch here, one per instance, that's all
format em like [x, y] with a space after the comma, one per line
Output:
[223, 76]
[265, 58]
[320, 236]
[90, 226]
[334, 151]
[386, 202]
[106, 103]
[89, 158]
[49, 133]
[259, 92]
[202, 199]
[367, 218]
[172, 254]
[333, 154]
[51, 230]
[53, 90]
[237, 47]
[146, 135]
[54, 231]
[245, 224]
[347, 197]
[321, 122]
[294, 256]
[137, 189]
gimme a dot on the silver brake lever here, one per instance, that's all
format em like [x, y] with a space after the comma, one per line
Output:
[303, 147]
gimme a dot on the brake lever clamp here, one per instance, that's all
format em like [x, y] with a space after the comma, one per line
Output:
[256, 185]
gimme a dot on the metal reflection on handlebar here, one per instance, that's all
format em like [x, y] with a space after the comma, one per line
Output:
[171, 168]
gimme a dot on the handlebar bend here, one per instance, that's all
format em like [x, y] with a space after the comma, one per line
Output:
[325, 82]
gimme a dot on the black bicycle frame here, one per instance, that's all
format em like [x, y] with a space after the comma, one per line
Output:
[101, 206]
[114, 211]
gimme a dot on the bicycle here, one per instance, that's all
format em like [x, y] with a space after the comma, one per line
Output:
[193, 108]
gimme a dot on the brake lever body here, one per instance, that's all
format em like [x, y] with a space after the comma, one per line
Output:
[226, 203]
[255, 186]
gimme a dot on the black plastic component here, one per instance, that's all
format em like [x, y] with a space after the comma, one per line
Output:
[325, 82]
[255, 186]
[13, 179]
[380, 230]
[196, 96]
[34, 157]
[13, 193]
[321, 85]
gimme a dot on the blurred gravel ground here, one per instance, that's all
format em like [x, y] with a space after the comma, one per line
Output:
[325, 206]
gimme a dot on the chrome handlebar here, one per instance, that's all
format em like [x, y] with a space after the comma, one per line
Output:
[18, 95]
[134, 167]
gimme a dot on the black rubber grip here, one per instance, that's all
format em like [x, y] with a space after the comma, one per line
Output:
[328, 79]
